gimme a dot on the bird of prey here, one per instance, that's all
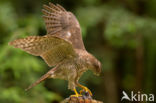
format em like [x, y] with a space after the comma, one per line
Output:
[62, 48]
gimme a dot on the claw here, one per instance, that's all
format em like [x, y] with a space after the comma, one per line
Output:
[76, 94]
[79, 95]
[85, 89]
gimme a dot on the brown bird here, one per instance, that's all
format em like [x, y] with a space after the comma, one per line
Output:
[61, 48]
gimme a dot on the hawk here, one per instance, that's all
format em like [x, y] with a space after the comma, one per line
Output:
[62, 48]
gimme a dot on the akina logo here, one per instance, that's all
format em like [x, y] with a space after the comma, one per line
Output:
[137, 97]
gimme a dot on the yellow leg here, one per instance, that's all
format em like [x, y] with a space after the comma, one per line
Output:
[85, 89]
[76, 93]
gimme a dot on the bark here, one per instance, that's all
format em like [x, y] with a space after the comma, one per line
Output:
[139, 63]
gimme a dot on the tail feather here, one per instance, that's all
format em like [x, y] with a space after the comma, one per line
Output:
[40, 80]
[50, 73]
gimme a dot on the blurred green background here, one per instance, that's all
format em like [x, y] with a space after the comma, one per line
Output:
[120, 33]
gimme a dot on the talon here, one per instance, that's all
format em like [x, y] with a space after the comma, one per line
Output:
[85, 89]
[79, 95]
[76, 94]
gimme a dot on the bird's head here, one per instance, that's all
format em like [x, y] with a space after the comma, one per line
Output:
[94, 65]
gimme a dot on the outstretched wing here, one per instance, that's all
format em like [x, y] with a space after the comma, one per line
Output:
[52, 49]
[62, 24]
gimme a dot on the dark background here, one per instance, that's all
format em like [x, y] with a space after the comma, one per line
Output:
[120, 33]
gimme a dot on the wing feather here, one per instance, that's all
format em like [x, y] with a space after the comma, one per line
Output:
[52, 49]
[61, 23]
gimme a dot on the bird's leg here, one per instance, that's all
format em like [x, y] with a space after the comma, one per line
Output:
[76, 93]
[85, 89]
